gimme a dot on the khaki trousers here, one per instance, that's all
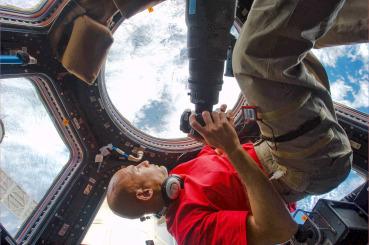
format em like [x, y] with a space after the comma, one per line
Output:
[277, 73]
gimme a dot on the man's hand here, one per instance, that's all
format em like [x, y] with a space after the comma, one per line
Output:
[218, 131]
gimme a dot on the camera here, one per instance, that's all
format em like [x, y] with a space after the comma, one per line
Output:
[185, 123]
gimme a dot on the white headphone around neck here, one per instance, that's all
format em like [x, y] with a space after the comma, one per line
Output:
[171, 188]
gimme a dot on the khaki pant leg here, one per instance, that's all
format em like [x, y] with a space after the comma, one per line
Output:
[351, 25]
[277, 73]
[277, 36]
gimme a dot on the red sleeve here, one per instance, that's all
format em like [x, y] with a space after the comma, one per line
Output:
[251, 151]
[206, 150]
[221, 227]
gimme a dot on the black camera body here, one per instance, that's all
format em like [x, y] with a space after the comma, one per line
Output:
[185, 123]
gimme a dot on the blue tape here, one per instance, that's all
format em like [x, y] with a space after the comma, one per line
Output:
[11, 60]
[125, 155]
[192, 7]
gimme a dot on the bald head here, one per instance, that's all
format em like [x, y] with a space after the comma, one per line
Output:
[121, 195]
[136, 190]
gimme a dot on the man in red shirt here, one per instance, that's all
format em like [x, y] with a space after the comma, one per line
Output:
[304, 149]
[214, 206]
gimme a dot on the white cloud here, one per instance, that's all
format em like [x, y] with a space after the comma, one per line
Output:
[340, 90]
[351, 79]
[361, 97]
[329, 56]
[362, 53]
[363, 50]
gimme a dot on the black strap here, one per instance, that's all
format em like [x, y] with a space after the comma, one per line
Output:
[303, 129]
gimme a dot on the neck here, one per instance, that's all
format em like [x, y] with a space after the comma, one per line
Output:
[156, 205]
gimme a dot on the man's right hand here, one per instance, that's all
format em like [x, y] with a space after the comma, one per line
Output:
[218, 130]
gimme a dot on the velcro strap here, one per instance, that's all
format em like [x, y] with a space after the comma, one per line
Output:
[303, 129]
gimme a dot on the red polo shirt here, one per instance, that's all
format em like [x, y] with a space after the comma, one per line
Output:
[213, 206]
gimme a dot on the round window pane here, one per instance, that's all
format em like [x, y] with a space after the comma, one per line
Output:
[147, 71]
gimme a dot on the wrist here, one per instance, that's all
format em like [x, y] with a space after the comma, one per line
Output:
[233, 150]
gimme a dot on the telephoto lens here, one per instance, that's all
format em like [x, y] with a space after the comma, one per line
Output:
[208, 26]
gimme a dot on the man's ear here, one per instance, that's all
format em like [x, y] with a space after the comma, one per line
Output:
[144, 194]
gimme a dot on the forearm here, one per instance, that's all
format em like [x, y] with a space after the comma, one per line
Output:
[269, 211]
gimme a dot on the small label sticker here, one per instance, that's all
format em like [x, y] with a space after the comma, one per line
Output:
[192, 7]
[63, 230]
[87, 189]
[75, 121]
[99, 158]
[104, 152]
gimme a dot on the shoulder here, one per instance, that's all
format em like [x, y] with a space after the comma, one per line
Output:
[206, 162]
